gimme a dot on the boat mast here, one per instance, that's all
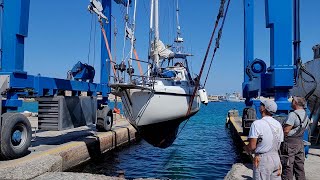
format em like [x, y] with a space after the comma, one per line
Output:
[150, 34]
[179, 39]
[156, 32]
[133, 30]
[178, 24]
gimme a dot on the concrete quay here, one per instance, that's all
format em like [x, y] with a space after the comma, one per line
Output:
[57, 151]
[240, 171]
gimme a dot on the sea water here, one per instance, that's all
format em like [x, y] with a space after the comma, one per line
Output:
[203, 150]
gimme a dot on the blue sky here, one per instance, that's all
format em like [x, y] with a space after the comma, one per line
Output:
[59, 33]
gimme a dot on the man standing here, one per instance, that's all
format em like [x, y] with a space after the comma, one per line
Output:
[292, 150]
[265, 137]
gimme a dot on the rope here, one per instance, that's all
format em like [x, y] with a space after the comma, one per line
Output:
[139, 64]
[115, 32]
[132, 40]
[108, 49]
[90, 37]
[219, 16]
[94, 43]
[126, 17]
[217, 42]
[197, 81]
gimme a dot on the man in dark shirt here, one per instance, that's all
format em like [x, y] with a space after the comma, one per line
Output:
[292, 149]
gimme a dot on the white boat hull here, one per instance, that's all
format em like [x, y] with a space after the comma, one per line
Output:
[157, 113]
[145, 107]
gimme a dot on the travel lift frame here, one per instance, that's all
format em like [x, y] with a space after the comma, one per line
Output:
[277, 80]
[15, 129]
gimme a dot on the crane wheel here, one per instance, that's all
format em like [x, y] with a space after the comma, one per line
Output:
[104, 119]
[15, 136]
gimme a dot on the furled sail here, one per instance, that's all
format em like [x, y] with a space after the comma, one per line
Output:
[164, 53]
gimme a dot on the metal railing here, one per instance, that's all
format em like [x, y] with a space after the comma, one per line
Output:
[135, 79]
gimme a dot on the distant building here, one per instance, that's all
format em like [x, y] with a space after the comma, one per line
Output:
[234, 97]
[213, 98]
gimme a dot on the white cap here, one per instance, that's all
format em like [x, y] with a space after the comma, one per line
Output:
[270, 105]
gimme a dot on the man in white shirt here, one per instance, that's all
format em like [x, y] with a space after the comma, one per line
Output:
[265, 137]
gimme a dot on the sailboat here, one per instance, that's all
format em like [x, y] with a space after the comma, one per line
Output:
[156, 104]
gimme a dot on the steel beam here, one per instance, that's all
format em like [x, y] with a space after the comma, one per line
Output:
[15, 22]
[248, 47]
[279, 21]
[105, 59]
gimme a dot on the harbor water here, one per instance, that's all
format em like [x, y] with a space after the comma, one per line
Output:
[203, 150]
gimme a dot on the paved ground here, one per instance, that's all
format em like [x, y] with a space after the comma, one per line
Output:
[56, 151]
[44, 140]
[82, 176]
[72, 176]
[241, 171]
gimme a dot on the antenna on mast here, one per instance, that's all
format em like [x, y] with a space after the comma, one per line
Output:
[178, 39]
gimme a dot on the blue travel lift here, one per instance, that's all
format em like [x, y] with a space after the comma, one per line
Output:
[56, 111]
[276, 80]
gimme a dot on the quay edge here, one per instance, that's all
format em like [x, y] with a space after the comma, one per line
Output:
[53, 154]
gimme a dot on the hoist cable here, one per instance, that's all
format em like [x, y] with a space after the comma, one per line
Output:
[217, 43]
[94, 43]
[90, 39]
[197, 80]
[108, 50]
[138, 62]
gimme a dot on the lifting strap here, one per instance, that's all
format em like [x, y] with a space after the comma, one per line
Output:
[221, 14]
[109, 52]
[139, 64]
[217, 43]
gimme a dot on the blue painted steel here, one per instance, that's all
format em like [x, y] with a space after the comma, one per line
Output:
[45, 84]
[256, 106]
[105, 59]
[279, 21]
[16, 136]
[12, 102]
[15, 28]
[306, 138]
[15, 22]
[279, 77]
[83, 72]
[123, 2]
[248, 46]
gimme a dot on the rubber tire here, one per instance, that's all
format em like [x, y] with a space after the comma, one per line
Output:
[102, 115]
[9, 120]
